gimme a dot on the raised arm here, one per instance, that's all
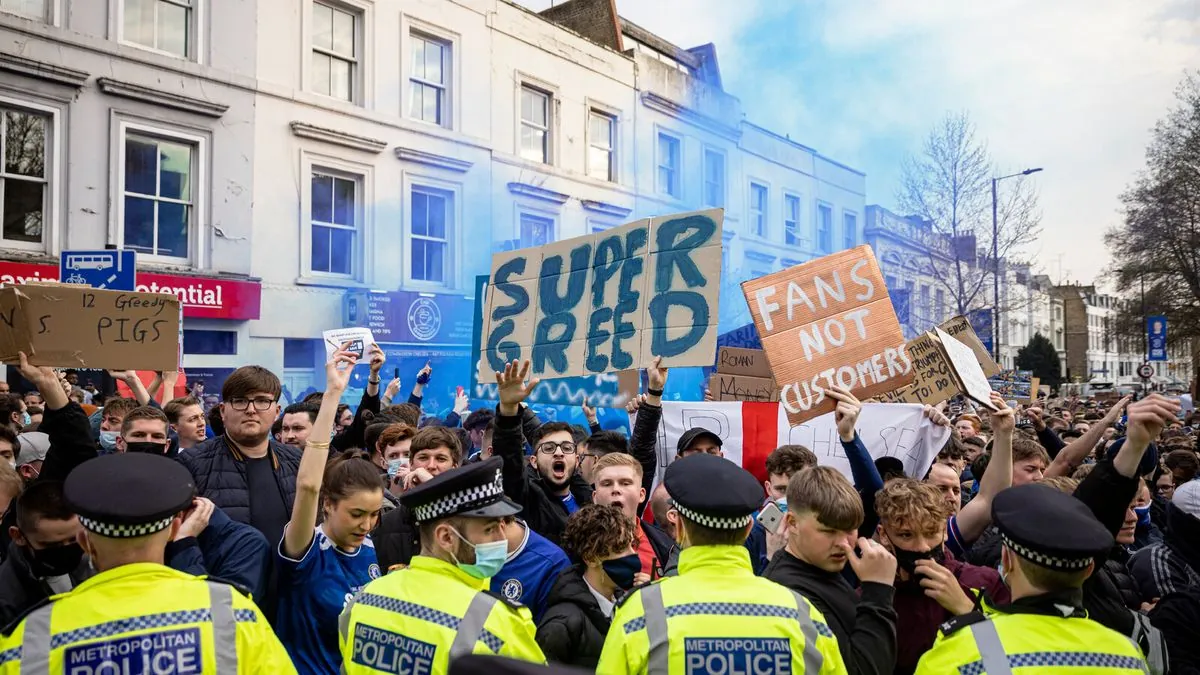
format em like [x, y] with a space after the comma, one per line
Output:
[508, 441]
[352, 436]
[131, 380]
[1070, 457]
[975, 517]
[645, 428]
[867, 480]
[299, 533]
[70, 432]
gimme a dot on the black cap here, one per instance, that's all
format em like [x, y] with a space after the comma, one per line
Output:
[127, 495]
[694, 434]
[475, 490]
[691, 481]
[1049, 528]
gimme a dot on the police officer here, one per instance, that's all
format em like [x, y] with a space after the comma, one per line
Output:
[416, 619]
[1050, 541]
[716, 616]
[136, 615]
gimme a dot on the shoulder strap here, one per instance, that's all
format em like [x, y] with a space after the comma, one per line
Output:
[470, 627]
[224, 623]
[991, 650]
[658, 661]
[35, 642]
[813, 659]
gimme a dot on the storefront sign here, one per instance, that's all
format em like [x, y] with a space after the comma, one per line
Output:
[201, 297]
[418, 318]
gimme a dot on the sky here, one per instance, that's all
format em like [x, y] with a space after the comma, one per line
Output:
[1073, 86]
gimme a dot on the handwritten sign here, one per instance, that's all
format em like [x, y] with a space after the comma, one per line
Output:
[14, 333]
[966, 368]
[960, 329]
[933, 376]
[609, 301]
[828, 323]
[740, 361]
[85, 327]
[725, 387]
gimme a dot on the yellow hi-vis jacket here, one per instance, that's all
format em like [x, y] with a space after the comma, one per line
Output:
[145, 618]
[416, 619]
[717, 617]
[1037, 644]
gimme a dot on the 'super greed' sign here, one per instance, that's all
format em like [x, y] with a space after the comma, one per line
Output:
[827, 323]
[609, 301]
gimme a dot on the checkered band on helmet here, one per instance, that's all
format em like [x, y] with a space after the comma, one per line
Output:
[464, 500]
[710, 521]
[124, 531]
[1047, 561]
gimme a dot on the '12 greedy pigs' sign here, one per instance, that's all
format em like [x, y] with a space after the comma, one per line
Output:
[828, 323]
[608, 301]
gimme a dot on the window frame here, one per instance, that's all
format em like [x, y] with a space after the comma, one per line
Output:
[548, 145]
[819, 243]
[49, 16]
[451, 259]
[195, 35]
[613, 120]
[363, 264]
[677, 170]
[53, 172]
[711, 151]
[198, 227]
[847, 242]
[360, 79]
[449, 73]
[795, 235]
[755, 218]
[356, 254]
[548, 216]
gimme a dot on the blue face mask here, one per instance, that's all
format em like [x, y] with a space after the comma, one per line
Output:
[489, 558]
[394, 466]
[108, 440]
[1143, 514]
[623, 570]
[782, 504]
[26, 420]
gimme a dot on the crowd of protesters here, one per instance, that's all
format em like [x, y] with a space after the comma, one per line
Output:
[307, 508]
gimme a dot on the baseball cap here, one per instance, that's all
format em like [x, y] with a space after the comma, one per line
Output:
[34, 446]
[694, 434]
[1187, 498]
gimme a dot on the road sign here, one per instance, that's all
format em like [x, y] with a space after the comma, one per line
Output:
[1145, 371]
[112, 269]
[1156, 330]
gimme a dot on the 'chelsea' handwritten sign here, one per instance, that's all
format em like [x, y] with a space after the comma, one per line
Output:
[608, 301]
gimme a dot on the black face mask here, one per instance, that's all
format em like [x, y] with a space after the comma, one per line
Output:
[622, 570]
[54, 561]
[146, 447]
[907, 560]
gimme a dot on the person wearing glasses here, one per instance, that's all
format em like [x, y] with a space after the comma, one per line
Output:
[546, 485]
[246, 473]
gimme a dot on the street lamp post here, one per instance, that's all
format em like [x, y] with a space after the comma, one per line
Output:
[996, 263]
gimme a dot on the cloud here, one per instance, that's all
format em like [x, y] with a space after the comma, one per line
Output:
[1072, 85]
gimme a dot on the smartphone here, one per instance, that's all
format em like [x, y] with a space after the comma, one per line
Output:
[395, 373]
[458, 391]
[771, 518]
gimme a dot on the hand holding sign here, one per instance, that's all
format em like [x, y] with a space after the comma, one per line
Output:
[339, 367]
[846, 413]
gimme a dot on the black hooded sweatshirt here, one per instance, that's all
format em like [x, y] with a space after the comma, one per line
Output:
[572, 630]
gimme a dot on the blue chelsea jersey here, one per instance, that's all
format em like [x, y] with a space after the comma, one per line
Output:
[313, 590]
[529, 572]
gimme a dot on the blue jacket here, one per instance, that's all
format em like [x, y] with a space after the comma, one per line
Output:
[228, 550]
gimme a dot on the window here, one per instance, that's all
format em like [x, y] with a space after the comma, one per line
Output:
[535, 125]
[668, 165]
[24, 178]
[197, 341]
[602, 144]
[536, 230]
[714, 177]
[301, 353]
[159, 195]
[890, 282]
[926, 311]
[164, 25]
[850, 230]
[940, 311]
[758, 210]
[336, 214]
[825, 228]
[334, 51]
[429, 79]
[30, 9]
[430, 225]
[791, 220]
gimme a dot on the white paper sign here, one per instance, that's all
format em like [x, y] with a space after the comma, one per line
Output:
[360, 340]
[966, 365]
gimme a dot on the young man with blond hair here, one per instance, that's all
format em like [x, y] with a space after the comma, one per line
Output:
[824, 512]
[617, 480]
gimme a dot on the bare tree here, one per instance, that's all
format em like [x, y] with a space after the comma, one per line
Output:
[949, 184]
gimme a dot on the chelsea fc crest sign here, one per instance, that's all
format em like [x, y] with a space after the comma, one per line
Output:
[424, 319]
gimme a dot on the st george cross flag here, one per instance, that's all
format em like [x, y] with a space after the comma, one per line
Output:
[749, 432]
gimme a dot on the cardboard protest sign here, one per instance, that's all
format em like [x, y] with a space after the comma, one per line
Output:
[725, 387]
[828, 323]
[960, 329]
[739, 361]
[14, 333]
[933, 377]
[1013, 384]
[608, 301]
[966, 368]
[360, 340]
[83, 327]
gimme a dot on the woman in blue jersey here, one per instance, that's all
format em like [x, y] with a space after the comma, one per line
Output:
[323, 566]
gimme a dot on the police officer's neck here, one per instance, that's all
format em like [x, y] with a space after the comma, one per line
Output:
[111, 554]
